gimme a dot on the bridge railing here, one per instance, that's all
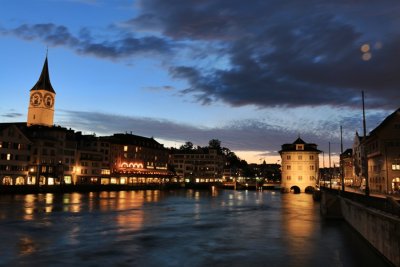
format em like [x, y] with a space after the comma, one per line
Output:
[386, 204]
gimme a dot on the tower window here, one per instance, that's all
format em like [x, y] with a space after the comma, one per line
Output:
[299, 147]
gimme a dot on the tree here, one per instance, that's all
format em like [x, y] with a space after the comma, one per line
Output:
[215, 143]
[187, 146]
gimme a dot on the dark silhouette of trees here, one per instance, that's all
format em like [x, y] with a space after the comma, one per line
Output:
[187, 146]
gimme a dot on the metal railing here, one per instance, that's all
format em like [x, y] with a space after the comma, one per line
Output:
[386, 204]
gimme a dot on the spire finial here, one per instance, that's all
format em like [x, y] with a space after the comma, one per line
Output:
[47, 51]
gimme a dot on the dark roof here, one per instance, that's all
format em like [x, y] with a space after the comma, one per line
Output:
[347, 152]
[131, 139]
[299, 141]
[386, 121]
[44, 80]
[19, 125]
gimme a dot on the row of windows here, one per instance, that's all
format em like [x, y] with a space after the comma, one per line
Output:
[195, 156]
[9, 156]
[300, 178]
[311, 167]
[86, 164]
[12, 168]
[378, 168]
[196, 162]
[11, 133]
[93, 171]
[299, 157]
[12, 145]
[190, 168]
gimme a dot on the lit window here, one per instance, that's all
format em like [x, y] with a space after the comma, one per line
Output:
[8, 156]
[105, 171]
[67, 179]
[395, 167]
[125, 148]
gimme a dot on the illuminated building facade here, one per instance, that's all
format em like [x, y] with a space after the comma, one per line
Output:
[383, 155]
[359, 167]
[93, 160]
[137, 159]
[14, 155]
[38, 153]
[53, 154]
[300, 165]
[198, 165]
[346, 161]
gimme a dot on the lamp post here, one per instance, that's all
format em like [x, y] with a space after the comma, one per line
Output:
[365, 149]
[330, 170]
[341, 159]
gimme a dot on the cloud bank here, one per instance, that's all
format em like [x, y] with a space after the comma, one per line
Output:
[266, 53]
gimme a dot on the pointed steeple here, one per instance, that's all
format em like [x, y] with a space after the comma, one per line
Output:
[44, 80]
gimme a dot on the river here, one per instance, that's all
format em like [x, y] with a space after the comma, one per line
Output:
[175, 228]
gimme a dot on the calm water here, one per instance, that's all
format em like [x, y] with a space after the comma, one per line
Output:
[175, 228]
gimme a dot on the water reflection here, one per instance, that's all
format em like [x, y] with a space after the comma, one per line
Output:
[300, 222]
[174, 228]
[26, 246]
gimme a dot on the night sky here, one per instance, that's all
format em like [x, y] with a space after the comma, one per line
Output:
[253, 74]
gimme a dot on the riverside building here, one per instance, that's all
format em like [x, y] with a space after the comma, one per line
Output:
[300, 165]
[37, 152]
[201, 165]
[383, 155]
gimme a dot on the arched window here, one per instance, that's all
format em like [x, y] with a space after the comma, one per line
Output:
[396, 184]
[42, 180]
[7, 180]
[20, 181]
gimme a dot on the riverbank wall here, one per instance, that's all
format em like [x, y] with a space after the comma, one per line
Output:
[379, 227]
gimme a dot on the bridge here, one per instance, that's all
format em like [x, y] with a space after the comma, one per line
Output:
[376, 217]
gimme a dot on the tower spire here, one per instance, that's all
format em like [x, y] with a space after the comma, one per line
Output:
[44, 80]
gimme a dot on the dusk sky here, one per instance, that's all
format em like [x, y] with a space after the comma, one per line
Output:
[253, 74]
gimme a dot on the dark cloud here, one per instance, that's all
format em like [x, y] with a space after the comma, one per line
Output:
[12, 115]
[245, 135]
[124, 45]
[267, 53]
[285, 53]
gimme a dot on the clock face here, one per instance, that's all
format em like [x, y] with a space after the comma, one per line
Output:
[48, 100]
[36, 99]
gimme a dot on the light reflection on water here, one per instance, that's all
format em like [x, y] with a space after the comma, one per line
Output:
[175, 228]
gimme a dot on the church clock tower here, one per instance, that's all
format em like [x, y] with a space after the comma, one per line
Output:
[41, 101]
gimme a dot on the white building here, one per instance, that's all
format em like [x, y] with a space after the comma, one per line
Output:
[300, 165]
